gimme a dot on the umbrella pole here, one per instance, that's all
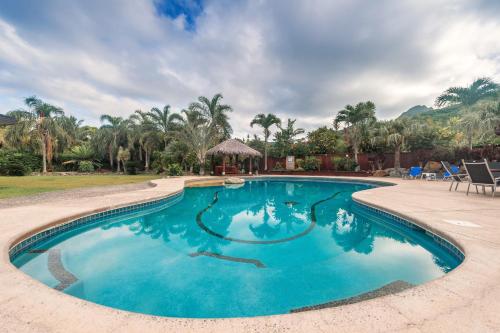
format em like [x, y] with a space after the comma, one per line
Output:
[250, 166]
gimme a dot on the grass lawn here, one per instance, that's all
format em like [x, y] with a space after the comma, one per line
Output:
[18, 186]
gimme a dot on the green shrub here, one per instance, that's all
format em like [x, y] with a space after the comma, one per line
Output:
[86, 166]
[174, 170]
[311, 163]
[10, 159]
[338, 163]
[278, 166]
[16, 167]
[299, 163]
[131, 167]
[16, 164]
[344, 163]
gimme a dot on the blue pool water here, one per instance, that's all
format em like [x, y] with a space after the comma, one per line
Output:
[266, 248]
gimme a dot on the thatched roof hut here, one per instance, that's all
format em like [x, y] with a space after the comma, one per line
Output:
[233, 147]
[5, 120]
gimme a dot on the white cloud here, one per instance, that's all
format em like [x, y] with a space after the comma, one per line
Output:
[298, 59]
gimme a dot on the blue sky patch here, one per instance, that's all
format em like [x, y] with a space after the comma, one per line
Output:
[191, 9]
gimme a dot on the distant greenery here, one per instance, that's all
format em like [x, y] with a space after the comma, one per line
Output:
[311, 163]
[160, 140]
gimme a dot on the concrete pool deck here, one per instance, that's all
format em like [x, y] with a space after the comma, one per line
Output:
[465, 300]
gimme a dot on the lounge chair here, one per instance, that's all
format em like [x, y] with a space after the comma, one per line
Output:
[495, 168]
[414, 172]
[453, 172]
[480, 175]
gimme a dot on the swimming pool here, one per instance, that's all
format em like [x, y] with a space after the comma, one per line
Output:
[270, 247]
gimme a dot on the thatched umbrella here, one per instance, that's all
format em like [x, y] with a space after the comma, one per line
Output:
[5, 120]
[233, 147]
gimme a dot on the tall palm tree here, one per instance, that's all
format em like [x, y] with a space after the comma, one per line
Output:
[265, 121]
[468, 96]
[216, 113]
[285, 138]
[144, 131]
[199, 134]
[116, 127]
[166, 122]
[356, 120]
[38, 124]
[396, 132]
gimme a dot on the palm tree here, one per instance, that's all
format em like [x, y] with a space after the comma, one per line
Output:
[166, 122]
[356, 120]
[199, 134]
[143, 130]
[265, 121]
[395, 132]
[116, 127]
[215, 113]
[467, 96]
[122, 156]
[470, 124]
[285, 138]
[39, 124]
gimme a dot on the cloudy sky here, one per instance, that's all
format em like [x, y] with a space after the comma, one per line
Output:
[299, 59]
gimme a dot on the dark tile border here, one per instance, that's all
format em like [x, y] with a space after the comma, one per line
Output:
[255, 262]
[390, 288]
[444, 244]
[43, 235]
[56, 268]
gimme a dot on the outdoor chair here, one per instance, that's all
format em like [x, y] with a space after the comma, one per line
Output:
[495, 168]
[480, 175]
[453, 172]
[414, 172]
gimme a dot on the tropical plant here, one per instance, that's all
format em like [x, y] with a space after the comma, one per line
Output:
[165, 122]
[122, 157]
[215, 113]
[14, 163]
[322, 140]
[286, 137]
[311, 163]
[266, 122]
[113, 129]
[468, 96]
[356, 120]
[39, 124]
[174, 170]
[392, 134]
[86, 166]
[78, 154]
[144, 131]
[343, 163]
[199, 134]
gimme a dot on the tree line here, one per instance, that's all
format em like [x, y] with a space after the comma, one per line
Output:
[164, 140]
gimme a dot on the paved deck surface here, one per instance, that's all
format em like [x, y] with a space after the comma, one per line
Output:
[465, 300]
